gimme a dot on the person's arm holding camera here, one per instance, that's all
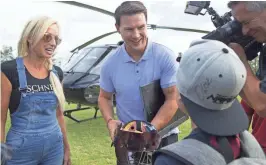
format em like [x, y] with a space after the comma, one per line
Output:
[253, 24]
[254, 91]
[249, 111]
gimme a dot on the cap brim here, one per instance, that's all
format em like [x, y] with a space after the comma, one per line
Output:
[226, 122]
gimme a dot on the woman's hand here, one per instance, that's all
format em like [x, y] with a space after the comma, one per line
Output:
[67, 160]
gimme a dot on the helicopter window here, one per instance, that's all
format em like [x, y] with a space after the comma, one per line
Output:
[96, 70]
[89, 59]
[75, 58]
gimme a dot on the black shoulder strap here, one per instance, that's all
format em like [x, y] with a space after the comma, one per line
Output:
[55, 71]
[224, 146]
[225, 149]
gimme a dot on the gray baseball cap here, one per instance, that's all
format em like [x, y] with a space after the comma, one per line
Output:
[209, 78]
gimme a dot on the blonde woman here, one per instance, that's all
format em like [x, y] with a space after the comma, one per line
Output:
[31, 90]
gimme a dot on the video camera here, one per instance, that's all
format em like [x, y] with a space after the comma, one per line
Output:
[227, 30]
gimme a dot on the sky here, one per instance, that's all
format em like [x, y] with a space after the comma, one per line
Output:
[79, 25]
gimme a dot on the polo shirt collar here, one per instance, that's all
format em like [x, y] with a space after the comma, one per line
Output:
[146, 55]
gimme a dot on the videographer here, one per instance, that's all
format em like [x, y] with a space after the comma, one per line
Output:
[252, 16]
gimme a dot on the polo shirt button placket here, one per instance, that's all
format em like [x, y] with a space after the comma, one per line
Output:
[137, 71]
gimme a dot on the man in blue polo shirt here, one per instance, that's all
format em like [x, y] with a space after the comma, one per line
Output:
[137, 62]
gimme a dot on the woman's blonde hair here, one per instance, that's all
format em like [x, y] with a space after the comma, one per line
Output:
[34, 30]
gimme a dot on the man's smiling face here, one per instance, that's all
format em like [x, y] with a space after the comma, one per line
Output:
[253, 22]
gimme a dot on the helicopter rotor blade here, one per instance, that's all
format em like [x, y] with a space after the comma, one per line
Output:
[78, 4]
[154, 27]
[149, 26]
[93, 40]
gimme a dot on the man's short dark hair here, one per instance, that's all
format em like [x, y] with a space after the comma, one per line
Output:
[130, 8]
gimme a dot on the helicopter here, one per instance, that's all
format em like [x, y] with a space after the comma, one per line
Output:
[82, 71]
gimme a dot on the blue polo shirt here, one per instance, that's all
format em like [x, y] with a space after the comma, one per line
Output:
[121, 75]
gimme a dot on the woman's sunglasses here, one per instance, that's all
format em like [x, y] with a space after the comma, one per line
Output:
[47, 37]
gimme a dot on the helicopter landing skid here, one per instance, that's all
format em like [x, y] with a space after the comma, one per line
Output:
[68, 113]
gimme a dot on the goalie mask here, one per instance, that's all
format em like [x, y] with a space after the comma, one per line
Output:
[134, 143]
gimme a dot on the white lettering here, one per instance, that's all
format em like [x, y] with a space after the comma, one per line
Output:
[28, 89]
[47, 88]
[41, 88]
[36, 88]
[51, 87]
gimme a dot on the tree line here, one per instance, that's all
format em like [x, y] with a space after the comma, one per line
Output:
[6, 53]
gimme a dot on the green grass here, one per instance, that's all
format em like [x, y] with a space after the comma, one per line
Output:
[89, 141]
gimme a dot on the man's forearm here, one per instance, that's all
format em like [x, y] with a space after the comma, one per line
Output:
[3, 133]
[165, 114]
[106, 108]
[252, 93]
[244, 97]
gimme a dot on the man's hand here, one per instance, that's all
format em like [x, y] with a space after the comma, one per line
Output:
[112, 126]
[239, 50]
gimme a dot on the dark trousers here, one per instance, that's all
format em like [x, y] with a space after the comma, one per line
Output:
[122, 154]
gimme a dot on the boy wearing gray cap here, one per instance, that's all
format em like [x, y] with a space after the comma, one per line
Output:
[209, 79]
